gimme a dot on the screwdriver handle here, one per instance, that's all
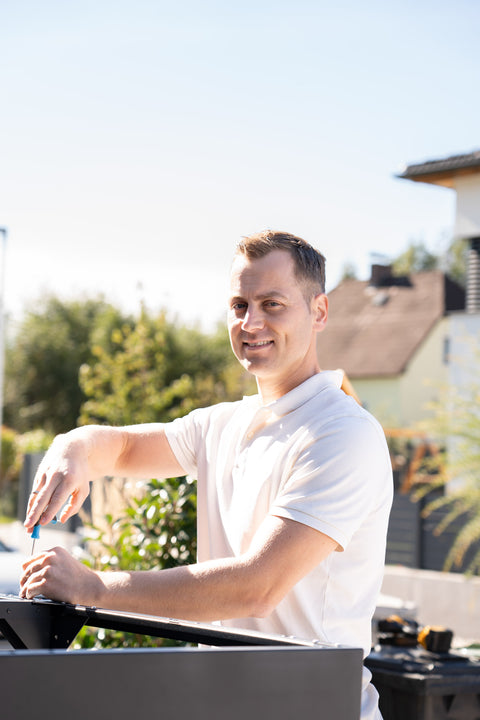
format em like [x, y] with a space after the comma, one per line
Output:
[36, 530]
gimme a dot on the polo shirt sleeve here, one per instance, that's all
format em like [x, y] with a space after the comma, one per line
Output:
[338, 480]
[184, 436]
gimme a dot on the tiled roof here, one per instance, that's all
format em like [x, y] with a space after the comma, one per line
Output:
[443, 169]
[375, 331]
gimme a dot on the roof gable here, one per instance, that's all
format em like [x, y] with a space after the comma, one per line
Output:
[375, 331]
[443, 171]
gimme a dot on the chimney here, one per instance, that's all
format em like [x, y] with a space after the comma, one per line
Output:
[380, 275]
[473, 277]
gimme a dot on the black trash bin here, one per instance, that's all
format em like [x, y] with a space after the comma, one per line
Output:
[415, 684]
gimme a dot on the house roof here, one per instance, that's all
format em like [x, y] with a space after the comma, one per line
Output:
[374, 331]
[443, 171]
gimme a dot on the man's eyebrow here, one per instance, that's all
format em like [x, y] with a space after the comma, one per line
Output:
[261, 296]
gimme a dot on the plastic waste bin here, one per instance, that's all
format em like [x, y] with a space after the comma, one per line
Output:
[415, 684]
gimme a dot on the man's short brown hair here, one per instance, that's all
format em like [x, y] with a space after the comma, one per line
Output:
[309, 262]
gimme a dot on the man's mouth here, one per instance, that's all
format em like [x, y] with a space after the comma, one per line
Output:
[261, 343]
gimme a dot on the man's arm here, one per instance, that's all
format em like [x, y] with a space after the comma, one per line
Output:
[90, 452]
[282, 552]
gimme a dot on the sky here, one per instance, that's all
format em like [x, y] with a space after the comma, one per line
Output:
[139, 140]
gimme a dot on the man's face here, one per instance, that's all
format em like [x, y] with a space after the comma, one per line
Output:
[271, 325]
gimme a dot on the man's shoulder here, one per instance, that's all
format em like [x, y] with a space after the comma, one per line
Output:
[225, 409]
[335, 412]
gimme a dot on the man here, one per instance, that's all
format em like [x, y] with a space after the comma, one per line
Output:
[294, 484]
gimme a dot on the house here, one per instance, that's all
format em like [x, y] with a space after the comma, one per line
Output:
[390, 335]
[460, 173]
[400, 340]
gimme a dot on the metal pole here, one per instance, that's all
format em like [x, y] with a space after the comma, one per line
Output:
[3, 232]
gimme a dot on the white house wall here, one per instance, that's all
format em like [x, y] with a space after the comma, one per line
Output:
[426, 376]
[401, 402]
[467, 218]
[381, 397]
[464, 374]
[464, 367]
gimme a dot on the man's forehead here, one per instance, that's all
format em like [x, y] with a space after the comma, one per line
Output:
[260, 280]
[274, 262]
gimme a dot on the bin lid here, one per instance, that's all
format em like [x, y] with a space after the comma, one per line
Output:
[419, 660]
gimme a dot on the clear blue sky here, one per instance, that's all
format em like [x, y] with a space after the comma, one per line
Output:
[139, 140]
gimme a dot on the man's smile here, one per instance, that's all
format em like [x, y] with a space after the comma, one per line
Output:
[258, 344]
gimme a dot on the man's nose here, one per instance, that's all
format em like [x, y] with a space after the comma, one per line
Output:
[253, 319]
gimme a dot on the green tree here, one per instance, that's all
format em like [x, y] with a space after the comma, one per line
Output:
[415, 258]
[455, 260]
[349, 271]
[43, 359]
[154, 372]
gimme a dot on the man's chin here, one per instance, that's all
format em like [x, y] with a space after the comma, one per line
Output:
[256, 366]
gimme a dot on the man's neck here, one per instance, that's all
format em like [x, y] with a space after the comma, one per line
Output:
[271, 390]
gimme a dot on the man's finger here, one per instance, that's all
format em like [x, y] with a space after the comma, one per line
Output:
[48, 501]
[74, 503]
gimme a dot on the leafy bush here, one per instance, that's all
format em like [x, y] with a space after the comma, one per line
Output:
[157, 531]
[9, 472]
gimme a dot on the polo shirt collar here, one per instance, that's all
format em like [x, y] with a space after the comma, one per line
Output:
[302, 393]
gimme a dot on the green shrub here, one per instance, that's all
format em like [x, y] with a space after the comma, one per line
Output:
[157, 531]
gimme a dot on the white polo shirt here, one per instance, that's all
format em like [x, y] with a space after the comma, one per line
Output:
[314, 456]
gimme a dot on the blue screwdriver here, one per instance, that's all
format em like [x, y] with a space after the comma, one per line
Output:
[36, 533]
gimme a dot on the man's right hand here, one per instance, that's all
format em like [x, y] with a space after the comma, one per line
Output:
[61, 481]
[92, 451]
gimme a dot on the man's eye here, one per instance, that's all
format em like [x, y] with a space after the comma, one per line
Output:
[239, 306]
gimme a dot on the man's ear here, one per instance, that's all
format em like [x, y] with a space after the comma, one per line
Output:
[320, 311]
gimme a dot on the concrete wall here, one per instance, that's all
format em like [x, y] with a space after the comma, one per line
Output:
[448, 599]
